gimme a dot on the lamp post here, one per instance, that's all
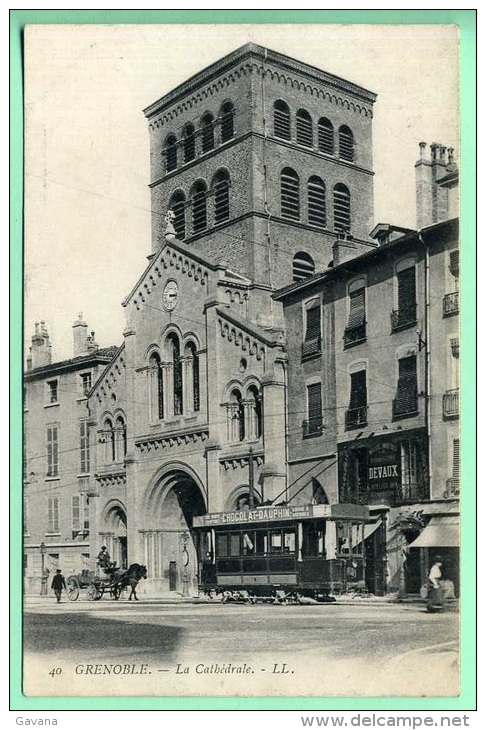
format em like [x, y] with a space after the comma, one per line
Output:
[42, 548]
[185, 563]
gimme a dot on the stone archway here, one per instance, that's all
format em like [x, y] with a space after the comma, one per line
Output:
[173, 498]
[113, 532]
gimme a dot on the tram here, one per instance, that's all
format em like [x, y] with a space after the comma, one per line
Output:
[282, 551]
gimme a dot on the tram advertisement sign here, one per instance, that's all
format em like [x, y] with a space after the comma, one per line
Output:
[264, 514]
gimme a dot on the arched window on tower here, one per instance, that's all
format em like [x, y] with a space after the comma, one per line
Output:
[177, 205]
[254, 412]
[227, 115]
[325, 136]
[207, 133]
[342, 209]
[109, 438]
[156, 388]
[304, 133]
[289, 194]
[316, 201]
[170, 153]
[193, 386]
[236, 415]
[199, 207]
[189, 143]
[220, 187]
[121, 438]
[176, 363]
[302, 266]
[281, 119]
[346, 143]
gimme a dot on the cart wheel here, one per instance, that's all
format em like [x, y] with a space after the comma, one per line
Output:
[72, 588]
[94, 593]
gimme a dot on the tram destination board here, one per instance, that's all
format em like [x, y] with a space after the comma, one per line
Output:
[284, 513]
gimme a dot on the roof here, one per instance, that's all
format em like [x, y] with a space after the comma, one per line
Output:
[359, 261]
[271, 338]
[102, 354]
[264, 55]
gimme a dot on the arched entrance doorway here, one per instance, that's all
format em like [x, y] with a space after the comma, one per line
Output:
[174, 497]
[113, 532]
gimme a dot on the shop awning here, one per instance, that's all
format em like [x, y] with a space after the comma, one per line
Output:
[442, 531]
[371, 528]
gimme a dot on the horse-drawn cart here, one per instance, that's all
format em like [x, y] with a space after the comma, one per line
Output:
[111, 581]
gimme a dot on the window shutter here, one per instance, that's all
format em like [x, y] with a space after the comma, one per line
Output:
[304, 129]
[281, 120]
[358, 397]
[456, 459]
[325, 136]
[406, 291]
[289, 194]
[316, 202]
[314, 402]
[406, 399]
[76, 513]
[313, 326]
[356, 308]
[454, 263]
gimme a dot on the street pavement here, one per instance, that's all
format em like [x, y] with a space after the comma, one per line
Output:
[183, 648]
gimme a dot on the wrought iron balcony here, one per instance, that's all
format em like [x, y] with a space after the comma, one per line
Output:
[311, 347]
[312, 427]
[356, 417]
[354, 335]
[406, 404]
[452, 488]
[450, 403]
[451, 304]
[404, 317]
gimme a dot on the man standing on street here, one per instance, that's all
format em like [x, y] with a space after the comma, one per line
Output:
[58, 583]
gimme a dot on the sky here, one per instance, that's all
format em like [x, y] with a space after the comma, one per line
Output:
[87, 201]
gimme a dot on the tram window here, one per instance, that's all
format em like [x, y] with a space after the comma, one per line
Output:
[248, 543]
[261, 542]
[204, 545]
[275, 541]
[234, 544]
[289, 541]
[314, 540]
[222, 546]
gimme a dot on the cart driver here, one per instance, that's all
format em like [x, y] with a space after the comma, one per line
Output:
[104, 560]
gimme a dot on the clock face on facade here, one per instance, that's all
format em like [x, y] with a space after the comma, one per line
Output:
[171, 295]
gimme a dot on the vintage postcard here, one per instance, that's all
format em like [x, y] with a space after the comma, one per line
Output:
[242, 457]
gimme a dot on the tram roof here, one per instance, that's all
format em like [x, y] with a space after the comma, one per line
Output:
[284, 513]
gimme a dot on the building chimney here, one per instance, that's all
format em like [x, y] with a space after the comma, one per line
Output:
[431, 197]
[91, 343]
[343, 249]
[40, 350]
[80, 333]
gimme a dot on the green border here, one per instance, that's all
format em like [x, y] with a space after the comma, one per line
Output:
[466, 21]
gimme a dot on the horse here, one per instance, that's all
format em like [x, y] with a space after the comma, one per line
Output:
[130, 577]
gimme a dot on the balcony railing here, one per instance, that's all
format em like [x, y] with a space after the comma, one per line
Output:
[450, 403]
[312, 427]
[451, 304]
[405, 405]
[452, 488]
[403, 318]
[354, 335]
[356, 417]
[311, 347]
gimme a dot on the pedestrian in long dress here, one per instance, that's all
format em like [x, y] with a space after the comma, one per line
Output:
[435, 596]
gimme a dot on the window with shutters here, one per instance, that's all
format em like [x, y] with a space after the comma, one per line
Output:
[316, 201]
[451, 299]
[281, 120]
[325, 136]
[304, 132]
[342, 209]
[170, 153]
[80, 514]
[357, 413]
[177, 205]
[52, 451]
[355, 331]
[289, 194]
[53, 515]
[312, 426]
[52, 392]
[207, 133]
[220, 187]
[84, 447]
[302, 266]
[199, 206]
[227, 122]
[312, 344]
[156, 388]
[189, 143]
[86, 383]
[346, 144]
[405, 402]
[406, 313]
[454, 483]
